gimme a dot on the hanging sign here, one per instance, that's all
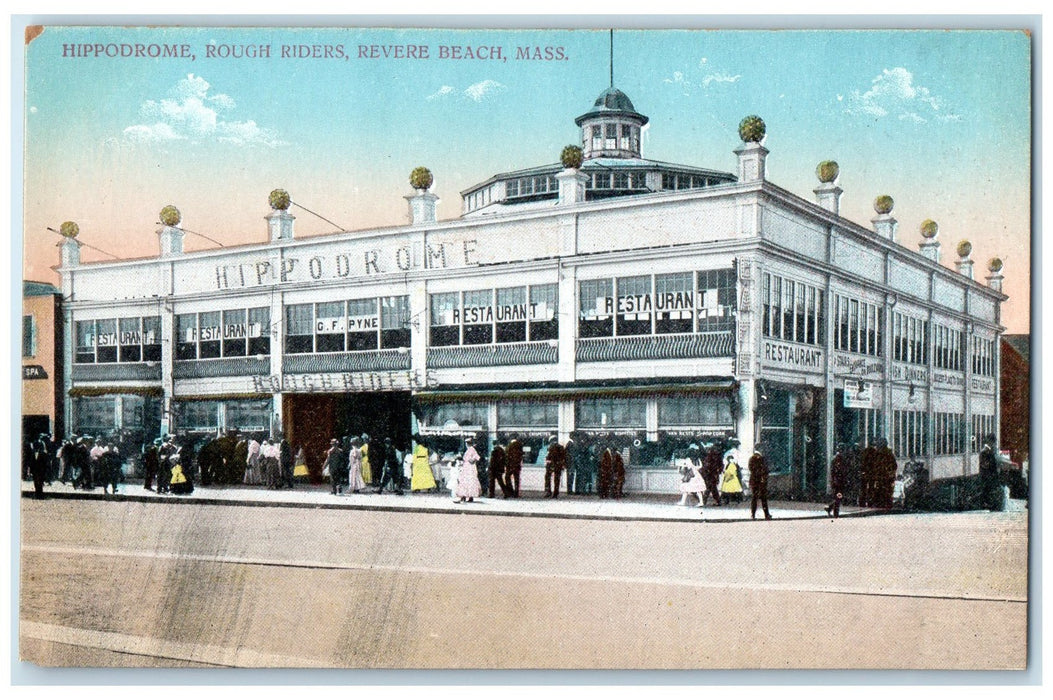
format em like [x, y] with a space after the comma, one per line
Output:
[859, 394]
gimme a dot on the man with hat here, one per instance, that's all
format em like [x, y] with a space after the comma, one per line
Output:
[392, 469]
[838, 480]
[712, 468]
[555, 463]
[496, 469]
[989, 486]
[336, 460]
[759, 482]
[513, 465]
[39, 459]
[151, 463]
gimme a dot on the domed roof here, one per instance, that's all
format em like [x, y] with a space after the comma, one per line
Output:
[612, 101]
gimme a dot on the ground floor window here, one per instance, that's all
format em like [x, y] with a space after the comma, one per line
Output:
[909, 432]
[948, 433]
[248, 415]
[611, 413]
[776, 422]
[94, 415]
[197, 416]
[982, 427]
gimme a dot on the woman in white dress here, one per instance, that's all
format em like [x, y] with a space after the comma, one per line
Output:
[468, 486]
[692, 481]
[354, 464]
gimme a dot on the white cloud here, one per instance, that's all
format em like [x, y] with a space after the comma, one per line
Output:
[479, 91]
[444, 91]
[719, 78]
[894, 93]
[190, 112]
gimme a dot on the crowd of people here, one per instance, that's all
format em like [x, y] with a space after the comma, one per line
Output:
[594, 464]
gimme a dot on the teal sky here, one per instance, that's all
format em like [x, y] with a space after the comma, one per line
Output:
[940, 120]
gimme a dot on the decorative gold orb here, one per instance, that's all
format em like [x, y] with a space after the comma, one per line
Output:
[170, 216]
[995, 265]
[571, 157]
[69, 229]
[884, 204]
[929, 228]
[827, 171]
[279, 200]
[964, 248]
[752, 129]
[421, 178]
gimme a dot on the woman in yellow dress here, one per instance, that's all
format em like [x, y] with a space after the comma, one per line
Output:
[730, 484]
[367, 475]
[422, 479]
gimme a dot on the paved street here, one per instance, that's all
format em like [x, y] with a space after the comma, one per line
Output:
[135, 582]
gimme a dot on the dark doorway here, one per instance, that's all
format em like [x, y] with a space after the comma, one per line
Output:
[312, 420]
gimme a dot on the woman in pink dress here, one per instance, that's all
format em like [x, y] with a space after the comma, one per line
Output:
[468, 486]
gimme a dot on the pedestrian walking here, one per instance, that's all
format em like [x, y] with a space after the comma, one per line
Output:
[422, 478]
[885, 469]
[336, 466]
[759, 482]
[355, 482]
[150, 464]
[367, 470]
[990, 489]
[38, 464]
[287, 461]
[300, 471]
[730, 481]
[712, 469]
[112, 472]
[498, 465]
[253, 469]
[392, 468]
[691, 481]
[181, 483]
[838, 480]
[867, 495]
[617, 474]
[513, 465]
[555, 464]
[468, 486]
[606, 473]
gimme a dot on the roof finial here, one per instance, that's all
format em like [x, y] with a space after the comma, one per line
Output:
[612, 57]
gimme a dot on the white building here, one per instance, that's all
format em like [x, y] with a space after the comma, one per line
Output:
[654, 301]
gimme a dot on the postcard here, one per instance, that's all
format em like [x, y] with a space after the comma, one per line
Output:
[435, 348]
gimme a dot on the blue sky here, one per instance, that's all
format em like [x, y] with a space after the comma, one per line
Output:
[940, 120]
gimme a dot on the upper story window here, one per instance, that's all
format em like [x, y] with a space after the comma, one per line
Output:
[348, 326]
[947, 353]
[228, 333]
[134, 339]
[29, 336]
[792, 310]
[680, 302]
[486, 316]
[910, 339]
[860, 326]
[983, 357]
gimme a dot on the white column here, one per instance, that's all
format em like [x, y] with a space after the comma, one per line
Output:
[568, 324]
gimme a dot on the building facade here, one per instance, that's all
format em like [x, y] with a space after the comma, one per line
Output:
[42, 367]
[652, 303]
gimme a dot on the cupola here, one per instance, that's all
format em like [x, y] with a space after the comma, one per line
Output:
[611, 129]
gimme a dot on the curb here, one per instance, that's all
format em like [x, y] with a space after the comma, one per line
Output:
[457, 509]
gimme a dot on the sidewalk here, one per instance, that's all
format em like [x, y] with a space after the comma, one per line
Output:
[652, 507]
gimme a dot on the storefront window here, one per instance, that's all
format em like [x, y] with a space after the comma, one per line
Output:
[131, 340]
[776, 421]
[611, 414]
[362, 324]
[456, 416]
[527, 415]
[250, 415]
[674, 303]
[299, 336]
[197, 415]
[704, 411]
[94, 415]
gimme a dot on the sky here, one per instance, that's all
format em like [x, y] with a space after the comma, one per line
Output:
[939, 120]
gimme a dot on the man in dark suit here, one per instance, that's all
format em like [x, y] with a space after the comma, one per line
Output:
[392, 468]
[497, 470]
[151, 464]
[759, 482]
[513, 465]
[712, 469]
[617, 472]
[989, 486]
[606, 472]
[838, 480]
[555, 463]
